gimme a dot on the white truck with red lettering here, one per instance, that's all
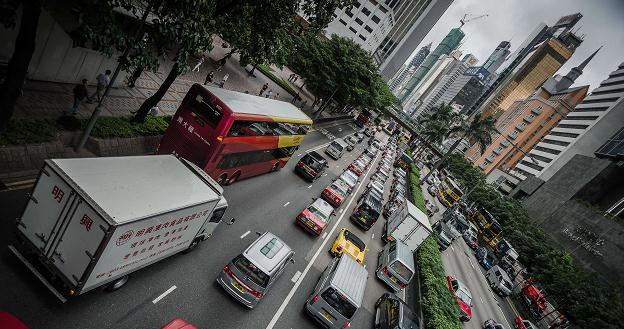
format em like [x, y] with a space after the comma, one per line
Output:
[90, 222]
[407, 224]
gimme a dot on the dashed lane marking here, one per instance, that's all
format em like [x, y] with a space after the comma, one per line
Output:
[324, 236]
[295, 277]
[164, 294]
[245, 234]
[287, 203]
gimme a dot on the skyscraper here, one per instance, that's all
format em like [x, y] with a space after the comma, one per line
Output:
[582, 131]
[448, 44]
[411, 67]
[414, 19]
[497, 57]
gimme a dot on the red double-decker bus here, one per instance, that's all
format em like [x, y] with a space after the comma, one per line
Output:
[233, 135]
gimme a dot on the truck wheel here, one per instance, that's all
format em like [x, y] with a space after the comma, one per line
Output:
[192, 246]
[117, 283]
[275, 167]
[234, 178]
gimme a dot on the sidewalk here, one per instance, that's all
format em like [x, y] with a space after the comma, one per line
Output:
[49, 99]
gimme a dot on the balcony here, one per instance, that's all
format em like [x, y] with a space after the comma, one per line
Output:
[513, 135]
[529, 118]
[498, 150]
[521, 126]
[505, 143]
[490, 158]
[483, 165]
[537, 110]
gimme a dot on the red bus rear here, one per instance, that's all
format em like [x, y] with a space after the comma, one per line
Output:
[233, 135]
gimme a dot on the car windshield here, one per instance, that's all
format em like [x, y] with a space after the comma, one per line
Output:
[354, 240]
[251, 271]
[401, 270]
[339, 302]
[337, 146]
[464, 296]
[340, 187]
[317, 213]
[349, 177]
[408, 319]
[312, 162]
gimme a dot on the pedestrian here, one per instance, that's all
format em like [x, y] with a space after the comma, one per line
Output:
[209, 77]
[277, 96]
[103, 79]
[295, 77]
[269, 94]
[264, 87]
[196, 68]
[224, 80]
[80, 93]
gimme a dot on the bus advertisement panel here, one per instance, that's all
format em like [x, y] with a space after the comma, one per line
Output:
[232, 135]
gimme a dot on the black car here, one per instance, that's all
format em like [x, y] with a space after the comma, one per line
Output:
[394, 314]
[311, 166]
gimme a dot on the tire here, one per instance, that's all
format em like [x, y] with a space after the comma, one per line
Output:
[222, 179]
[275, 167]
[117, 284]
[233, 178]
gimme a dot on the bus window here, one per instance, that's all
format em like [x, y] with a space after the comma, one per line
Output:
[205, 112]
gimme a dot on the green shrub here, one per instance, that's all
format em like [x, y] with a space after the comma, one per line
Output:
[25, 131]
[266, 70]
[123, 127]
[440, 310]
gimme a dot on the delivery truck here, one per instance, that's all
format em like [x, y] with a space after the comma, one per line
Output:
[409, 225]
[90, 222]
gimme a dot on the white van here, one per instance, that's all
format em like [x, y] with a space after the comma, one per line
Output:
[499, 281]
[336, 148]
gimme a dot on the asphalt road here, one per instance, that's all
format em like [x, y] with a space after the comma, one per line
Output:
[268, 202]
[460, 261]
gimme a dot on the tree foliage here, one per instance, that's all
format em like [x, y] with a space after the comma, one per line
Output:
[587, 302]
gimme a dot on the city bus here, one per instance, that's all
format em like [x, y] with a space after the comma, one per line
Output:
[232, 135]
[489, 228]
[449, 192]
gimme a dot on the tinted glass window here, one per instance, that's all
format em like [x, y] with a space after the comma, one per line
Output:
[266, 128]
[312, 162]
[250, 270]
[401, 270]
[205, 113]
[338, 302]
[392, 312]
[271, 248]
[217, 215]
[337, 146]
[246, 158]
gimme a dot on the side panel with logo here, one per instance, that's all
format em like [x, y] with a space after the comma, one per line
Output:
[143, 242]
[79, 242]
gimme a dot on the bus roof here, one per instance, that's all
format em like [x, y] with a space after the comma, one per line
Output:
[251, 104]
[453, 184]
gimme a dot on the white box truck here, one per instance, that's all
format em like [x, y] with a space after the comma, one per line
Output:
[407, 224]
[90, 222]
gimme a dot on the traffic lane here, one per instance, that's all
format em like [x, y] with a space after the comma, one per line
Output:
[42, 308]
[291, 318]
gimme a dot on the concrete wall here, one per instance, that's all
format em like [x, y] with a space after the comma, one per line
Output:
[595, 241]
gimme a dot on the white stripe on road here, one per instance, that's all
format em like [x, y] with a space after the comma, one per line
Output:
[470, 260]
[324, 235]
[372, 237]
[341, 210]
[452, 248]
[290, 295]
[310, 186]
[245, 234]
[482, 302]
[164, 294]
[287, 203]
[295, 277]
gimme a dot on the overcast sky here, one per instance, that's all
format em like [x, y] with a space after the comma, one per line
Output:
[602, 24]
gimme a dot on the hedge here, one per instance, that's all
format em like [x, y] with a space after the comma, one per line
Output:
[25, 131]
[123, 127]
[440, 310]
[266, 70]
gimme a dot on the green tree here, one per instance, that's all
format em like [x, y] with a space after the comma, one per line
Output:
[478, 130]
[435, 126]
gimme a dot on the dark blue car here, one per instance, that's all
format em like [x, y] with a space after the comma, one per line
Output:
[485, 258]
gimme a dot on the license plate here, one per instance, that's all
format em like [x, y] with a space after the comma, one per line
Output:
[310, 223]
[393, 279]
[328, 316]
[239, 286]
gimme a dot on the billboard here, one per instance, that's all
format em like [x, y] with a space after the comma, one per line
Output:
[479, 72]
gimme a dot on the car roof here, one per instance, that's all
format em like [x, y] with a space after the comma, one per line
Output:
[316, 155]
[267, 252]
[322, 206]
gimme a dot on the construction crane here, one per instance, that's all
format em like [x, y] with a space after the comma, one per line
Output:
[463, 21]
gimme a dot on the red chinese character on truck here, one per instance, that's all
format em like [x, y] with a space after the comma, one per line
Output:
[86, 221]
[57, 193]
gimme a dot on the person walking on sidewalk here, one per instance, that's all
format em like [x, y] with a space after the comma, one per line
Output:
[80, 93]
[103, 79]
[209, 77]
[264, 87]
[269, 94]
[224, 80]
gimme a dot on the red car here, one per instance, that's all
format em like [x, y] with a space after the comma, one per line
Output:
[534, 299]
[520, 323]
[336, 192]
[462, 295]
[316, 216]
[357, 167]
[8, 321]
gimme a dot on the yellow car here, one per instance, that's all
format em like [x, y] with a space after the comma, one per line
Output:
[347, 242]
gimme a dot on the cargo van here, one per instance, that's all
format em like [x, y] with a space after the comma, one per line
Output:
[249, 275]
[396, 265]
[336, 148]
[499, 281]
[338, 294]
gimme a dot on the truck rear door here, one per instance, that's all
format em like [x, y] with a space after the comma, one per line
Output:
[411, 233]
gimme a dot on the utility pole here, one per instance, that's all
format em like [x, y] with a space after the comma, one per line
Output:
[120, 62]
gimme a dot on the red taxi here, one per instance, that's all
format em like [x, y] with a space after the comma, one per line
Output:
[336, 192]
[315, 217]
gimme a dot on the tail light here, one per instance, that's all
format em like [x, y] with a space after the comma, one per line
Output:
[314, 299]
[300, 164]
[256, 294]
[385, 270]
[227, 271]
[337, 199]
[346, 325]
[339, 248]
[401, 284]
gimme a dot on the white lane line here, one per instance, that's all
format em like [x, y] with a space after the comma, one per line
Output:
[341, 210]
[324, 235]
[164, 294]
[245, 234]
[452, 248]
[287, 203]
[295, 277]
[310, 186]
[372, 237]
[324, 174]
[290, 295]
[470, 261]
[482, 302]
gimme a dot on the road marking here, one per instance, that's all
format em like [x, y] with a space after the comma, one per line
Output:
[244, 235]
[287, 203]
[372, 237]
[309, 186]
[341, 210]
[452, 248]
[323, 236]
[295, 277]
[164, 294]
[290, 295]
[482, 302]
[324, 174]
[470, 261]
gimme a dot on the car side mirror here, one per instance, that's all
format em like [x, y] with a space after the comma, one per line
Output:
[292, 260]
[232, 220]
[333, 213]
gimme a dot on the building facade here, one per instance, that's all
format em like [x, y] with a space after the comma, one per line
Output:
[436, 96]
[448, 44]
[367, 23]
[418, 17]
[497, 57]
[598, 117]
[398, 81]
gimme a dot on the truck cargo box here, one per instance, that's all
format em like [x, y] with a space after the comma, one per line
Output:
[408, 224]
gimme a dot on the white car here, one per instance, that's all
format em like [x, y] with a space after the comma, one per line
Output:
[350, 178]
[377, 185]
